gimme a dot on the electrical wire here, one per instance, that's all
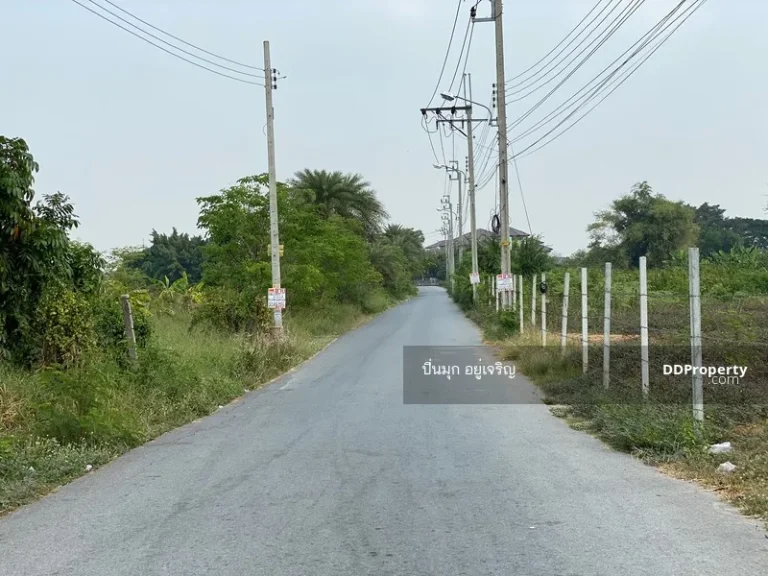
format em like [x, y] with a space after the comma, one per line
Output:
[522, 194]
[603, 36]
[466, 45]
[241, 80]
[182, 50]
[634, 6]
[643, 40]
[181, 39]
[697, 4]
[556, 47]
[447, 53]
[424, 124]
[589, 33]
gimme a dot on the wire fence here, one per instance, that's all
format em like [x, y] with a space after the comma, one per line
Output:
[640, 336]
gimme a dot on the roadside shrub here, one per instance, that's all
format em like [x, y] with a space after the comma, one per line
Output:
[64, 322]
[651, 430]
[110, 325]
[79, 405]
[374, 302]
[231, 311]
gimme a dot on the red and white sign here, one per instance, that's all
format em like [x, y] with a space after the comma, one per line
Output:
[276, 298]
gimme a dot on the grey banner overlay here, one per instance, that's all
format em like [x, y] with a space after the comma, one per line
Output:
[460, 375]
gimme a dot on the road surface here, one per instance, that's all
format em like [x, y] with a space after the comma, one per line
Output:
[327, 472]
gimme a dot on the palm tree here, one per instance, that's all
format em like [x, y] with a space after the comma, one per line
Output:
[347, 195]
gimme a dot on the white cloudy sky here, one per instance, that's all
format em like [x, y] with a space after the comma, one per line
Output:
[134, 136]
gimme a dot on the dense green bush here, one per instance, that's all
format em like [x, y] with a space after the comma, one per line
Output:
[79, 405]
[231, 311]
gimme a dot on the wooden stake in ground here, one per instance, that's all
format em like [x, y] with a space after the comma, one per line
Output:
[533, 302]
[130, 336]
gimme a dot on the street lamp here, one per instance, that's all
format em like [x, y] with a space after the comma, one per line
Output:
[448, 97]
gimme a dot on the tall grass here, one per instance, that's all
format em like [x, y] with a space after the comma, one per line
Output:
[54, 423]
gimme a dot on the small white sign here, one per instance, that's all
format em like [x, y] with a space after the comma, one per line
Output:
[474, 278]
[504, 283]
[276, 298]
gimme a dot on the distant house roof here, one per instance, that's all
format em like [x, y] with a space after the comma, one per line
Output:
[482, 234]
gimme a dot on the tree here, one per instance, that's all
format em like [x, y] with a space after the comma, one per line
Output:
[715, 232]
[171, 256]
[37, 256]
[530, 256]
[753, 232]
[433, 265]
[346, 195]
[325, 256]
[411, 242]
[643, 224]
[390, 261]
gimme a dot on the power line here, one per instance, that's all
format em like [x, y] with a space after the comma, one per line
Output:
[588, 30]
[558, 45]
[181, 39]
[466, 45]
[447, 53]
[643, 41]
[165, 49]
[634, 7]
[424, 123]
[697, 4]
[520, 185]
[108, 11]
[543, 81]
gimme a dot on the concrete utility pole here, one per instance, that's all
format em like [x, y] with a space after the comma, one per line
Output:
[503, 160]
[496, 17]
[459, 178]
[270, 78]
[471, 162]
[447, 210]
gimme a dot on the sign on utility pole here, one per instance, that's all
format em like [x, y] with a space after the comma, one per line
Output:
[270, 76]
[496, 18]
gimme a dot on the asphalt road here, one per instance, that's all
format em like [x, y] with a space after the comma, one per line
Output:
[328, 472]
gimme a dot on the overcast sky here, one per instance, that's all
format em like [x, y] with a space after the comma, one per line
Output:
[134, 135]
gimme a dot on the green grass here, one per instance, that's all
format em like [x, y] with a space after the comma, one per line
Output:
[660, 430]
[54, 423]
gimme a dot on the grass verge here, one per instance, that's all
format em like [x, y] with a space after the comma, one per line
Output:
[56, 425]
[660, 429]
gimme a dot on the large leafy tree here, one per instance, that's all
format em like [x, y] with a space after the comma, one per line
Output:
[715, 233]
[325, 256]
[346, 195]
[411, 242]
[170, 256]
[643, 224]
[36, 253]
[753, 232]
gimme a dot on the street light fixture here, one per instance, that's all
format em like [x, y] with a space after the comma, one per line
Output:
[448, 97]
